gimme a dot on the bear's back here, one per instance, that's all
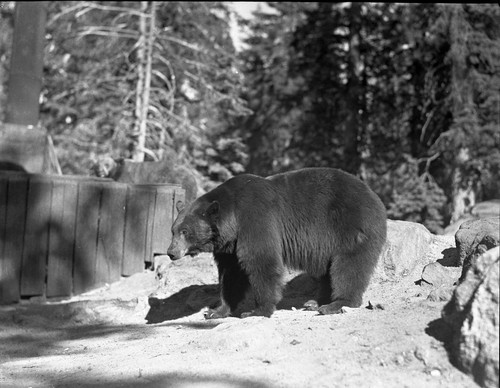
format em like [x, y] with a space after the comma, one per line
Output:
[309, 197]
[341, 190]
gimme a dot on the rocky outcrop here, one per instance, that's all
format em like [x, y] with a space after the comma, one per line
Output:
[481, 210]
[473, 316]
[474, 238]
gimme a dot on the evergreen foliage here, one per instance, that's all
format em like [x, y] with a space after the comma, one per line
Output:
[91, 69]
[372, 89]
[406, 96]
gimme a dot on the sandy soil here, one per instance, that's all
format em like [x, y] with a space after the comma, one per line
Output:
[117, 336]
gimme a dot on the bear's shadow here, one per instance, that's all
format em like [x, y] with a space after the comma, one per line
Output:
[193, 298]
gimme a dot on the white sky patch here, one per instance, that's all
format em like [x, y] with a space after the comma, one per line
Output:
[244, 9]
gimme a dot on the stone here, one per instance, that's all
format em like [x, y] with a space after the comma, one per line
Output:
[405, 251]
[438, 275]
[472, 232]
[473, 317]
[484, 209]
[474, 238]
[441, 294]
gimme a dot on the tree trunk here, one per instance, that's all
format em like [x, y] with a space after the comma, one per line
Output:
[144, 59]
[26, 66]
[464, 113]
[463, 189]
[353, 123]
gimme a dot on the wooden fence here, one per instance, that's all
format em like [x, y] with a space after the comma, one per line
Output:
[64, 235]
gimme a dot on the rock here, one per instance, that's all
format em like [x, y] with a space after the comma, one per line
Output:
[484, 209]
[476, 237]
[441, 294]
[161, 266]
[173, 276]
[472, 232]
[438, 275]
[473, 316]
[405, 250]
[454, 227]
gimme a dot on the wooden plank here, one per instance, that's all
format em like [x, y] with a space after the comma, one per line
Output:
[111, 233]
[62, 237]
[134, 252]
[163, 219]
[13, 240]
[36, 236]
[3, 215]
[179, 196]
[150, 200]
[87, 226]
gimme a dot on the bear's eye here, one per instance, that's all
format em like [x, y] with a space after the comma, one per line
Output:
[183, 232]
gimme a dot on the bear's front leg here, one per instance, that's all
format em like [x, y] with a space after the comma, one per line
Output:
[266, 279]
[233, 282]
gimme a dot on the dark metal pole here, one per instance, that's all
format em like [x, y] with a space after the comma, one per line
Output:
[26, 65]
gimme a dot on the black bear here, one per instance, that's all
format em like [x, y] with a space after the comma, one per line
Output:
[323, 221]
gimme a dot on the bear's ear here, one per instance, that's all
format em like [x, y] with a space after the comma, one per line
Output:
[179, 206]
[212, 210]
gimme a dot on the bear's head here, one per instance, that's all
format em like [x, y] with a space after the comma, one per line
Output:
[195, 229]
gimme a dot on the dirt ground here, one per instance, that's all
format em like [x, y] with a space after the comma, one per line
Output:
[120, 336]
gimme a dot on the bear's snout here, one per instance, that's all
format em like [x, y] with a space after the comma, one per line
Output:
[174, 255]
[175, 252]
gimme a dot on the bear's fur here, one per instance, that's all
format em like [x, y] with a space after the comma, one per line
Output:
[323, 221]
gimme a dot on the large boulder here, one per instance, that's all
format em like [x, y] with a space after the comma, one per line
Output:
[405, 251]
[481, 210]
[476, 237]
[473, 316]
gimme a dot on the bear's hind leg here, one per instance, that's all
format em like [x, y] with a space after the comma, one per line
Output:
[349, 276]
[233, 283]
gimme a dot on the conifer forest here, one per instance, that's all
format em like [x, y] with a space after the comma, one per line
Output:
[404, 95]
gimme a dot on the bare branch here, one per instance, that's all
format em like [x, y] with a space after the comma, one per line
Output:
[102, 7]
[191, 46]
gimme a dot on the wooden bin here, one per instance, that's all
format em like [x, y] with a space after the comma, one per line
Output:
[64, 235]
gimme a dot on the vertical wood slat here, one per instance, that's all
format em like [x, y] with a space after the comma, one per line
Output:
[4, 184]
[10, 270]
[136, 225]
[111, 233]
[163, 219]
[87, 224]
[36, 238]
[62, 237]
[152, 191]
